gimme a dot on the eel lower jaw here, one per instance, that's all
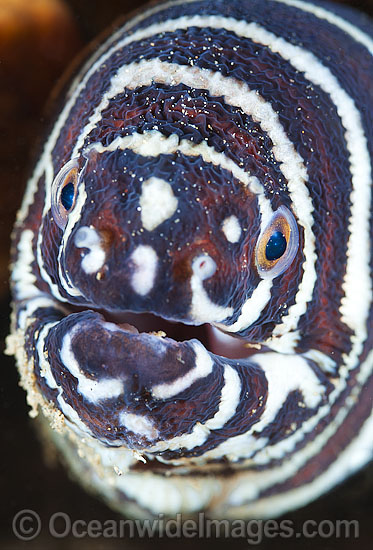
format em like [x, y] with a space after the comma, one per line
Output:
[212, 338]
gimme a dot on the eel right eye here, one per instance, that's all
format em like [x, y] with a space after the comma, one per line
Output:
[277, 245]
[64, 192]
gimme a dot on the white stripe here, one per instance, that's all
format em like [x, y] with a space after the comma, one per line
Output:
[353, 458]
[213, 491]
[49, 177]
[72, 220]
[252, 308]
[238, 94]
[355, 307]
[229, 401]
[45, 371]
[92, 390]
[153, 29]
[45, 164]
[22, 275]
[356, 33]
[235, 93]
[203, 367]
[41, 300]
[326, 363]
[72, 419]
[100, 57]
[44, 362]
[243, 446]
[153, 143]
[284, 374]
[357, 454]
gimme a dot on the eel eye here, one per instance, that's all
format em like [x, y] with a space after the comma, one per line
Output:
[64, 191]
[277, 244]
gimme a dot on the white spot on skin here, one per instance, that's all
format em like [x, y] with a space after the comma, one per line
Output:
[231, 229]
[145, 261]
[158, 203]
[138, 424]
[88, 237]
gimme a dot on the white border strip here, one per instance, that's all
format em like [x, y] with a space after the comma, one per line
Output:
[356, 33]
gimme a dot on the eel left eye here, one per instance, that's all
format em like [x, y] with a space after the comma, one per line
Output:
[64, 191]
[277, 244]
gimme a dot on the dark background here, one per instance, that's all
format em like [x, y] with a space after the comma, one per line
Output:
[34, 49]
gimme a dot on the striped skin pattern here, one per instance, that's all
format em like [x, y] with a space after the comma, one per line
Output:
[189, 132]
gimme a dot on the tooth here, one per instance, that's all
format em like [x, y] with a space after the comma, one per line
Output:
[128, 328]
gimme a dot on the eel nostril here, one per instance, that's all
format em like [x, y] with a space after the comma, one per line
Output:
[204, 267]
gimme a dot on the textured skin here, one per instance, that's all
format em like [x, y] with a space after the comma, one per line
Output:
[190, 127]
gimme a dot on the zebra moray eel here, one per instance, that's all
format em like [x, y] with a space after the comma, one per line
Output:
[208, 177]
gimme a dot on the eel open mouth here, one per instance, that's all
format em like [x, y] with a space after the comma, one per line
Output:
[212, 338]
[148, 383]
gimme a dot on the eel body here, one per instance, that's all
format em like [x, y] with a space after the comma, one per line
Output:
[192, 261]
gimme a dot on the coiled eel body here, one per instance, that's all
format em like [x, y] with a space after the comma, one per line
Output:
[211, 166]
